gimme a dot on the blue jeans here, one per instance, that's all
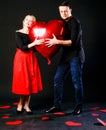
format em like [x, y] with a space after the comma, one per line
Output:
[73, 66]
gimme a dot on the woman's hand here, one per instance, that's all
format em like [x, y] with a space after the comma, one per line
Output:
[38, 41]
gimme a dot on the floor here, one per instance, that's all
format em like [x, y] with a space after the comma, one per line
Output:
[93, 117]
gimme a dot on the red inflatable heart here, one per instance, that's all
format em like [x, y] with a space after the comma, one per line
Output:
[46, 30]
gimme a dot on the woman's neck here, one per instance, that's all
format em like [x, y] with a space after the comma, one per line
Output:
[25, 30]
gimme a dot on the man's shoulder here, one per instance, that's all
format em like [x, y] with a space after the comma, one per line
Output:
[75, 20]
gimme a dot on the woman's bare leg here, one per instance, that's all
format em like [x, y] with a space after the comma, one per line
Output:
[26, 103]
[21, 102]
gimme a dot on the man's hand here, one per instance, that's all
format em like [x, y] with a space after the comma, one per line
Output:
[50, 42]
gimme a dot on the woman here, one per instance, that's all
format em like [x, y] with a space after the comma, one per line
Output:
[26, 72]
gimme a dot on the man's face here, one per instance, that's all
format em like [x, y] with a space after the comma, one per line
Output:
[65, 12]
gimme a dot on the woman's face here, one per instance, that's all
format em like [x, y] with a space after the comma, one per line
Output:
[28, 21]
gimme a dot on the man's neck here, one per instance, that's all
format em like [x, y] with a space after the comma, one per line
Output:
[67, 19]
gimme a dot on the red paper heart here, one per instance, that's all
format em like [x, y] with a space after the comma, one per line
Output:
[101, 121]
[15, 122]
[46, 30]
[71, 123]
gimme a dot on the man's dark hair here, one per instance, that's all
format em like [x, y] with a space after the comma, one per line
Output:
[65, 3]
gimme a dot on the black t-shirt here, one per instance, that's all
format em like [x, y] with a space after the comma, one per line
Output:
[22, 41]
[73, 31]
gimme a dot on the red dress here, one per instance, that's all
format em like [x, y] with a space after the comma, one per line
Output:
[26, 72]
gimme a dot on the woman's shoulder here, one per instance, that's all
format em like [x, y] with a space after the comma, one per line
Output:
[19, 30]
[19, 33]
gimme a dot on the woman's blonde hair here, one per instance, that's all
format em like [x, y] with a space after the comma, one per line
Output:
[29, 15]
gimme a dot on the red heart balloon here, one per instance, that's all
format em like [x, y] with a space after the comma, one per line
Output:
[46, 30]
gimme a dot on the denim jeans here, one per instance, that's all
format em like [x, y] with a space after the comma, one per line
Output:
[73, 66]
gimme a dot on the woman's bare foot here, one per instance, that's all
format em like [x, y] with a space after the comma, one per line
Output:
[28, 110]
[19, 108]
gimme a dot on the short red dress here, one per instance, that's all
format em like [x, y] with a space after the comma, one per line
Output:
[26, 72]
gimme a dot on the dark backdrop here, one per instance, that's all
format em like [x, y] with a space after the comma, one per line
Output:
[92, 16]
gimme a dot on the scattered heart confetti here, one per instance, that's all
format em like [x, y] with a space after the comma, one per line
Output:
[95, 114]
[5, 107]
[71, 123]
[15, 103]
[16, 122]
[5, 117]
[101, 121]
[94, 108]
[59, 113]
[103, 110]
[44, 118]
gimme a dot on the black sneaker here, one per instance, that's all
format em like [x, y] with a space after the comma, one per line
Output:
[78, 110]
[53, 109]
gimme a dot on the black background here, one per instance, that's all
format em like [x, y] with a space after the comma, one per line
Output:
[92, 17]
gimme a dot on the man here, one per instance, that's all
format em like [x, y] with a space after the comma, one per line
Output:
[72, 59]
